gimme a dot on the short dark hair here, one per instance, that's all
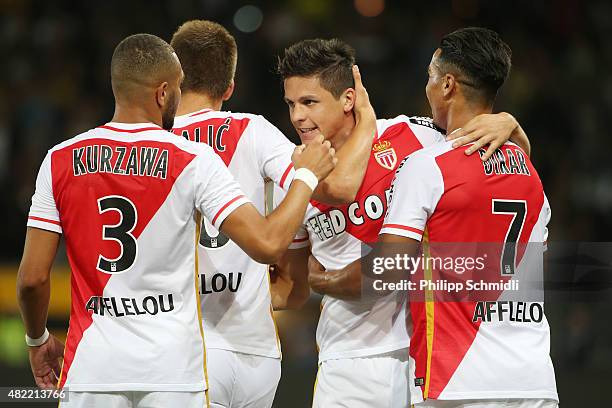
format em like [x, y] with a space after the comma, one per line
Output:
[481, 56]
[330, 60]
[208, 54]
[141, 59]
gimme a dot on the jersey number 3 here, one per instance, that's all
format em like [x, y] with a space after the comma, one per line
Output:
[518, 210]
[121, 233]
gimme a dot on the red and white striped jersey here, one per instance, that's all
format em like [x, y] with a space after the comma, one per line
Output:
[350, 329]
[475, 348]
[236, 303]
[125, 197]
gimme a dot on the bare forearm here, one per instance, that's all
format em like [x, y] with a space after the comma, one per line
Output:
[33, 279]
[341, 186]
[34, 305]
[265, 239]
[285, 295]
[518, 135]
[520, 138]
[283, 223]
[290, 289]
[342, 284]
[279, 296]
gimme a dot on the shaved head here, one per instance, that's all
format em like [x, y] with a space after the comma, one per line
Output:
[142, 60]
[141, 64]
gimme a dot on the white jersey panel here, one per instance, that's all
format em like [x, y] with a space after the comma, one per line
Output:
[478, 378]
[236, 303]
[145, 338]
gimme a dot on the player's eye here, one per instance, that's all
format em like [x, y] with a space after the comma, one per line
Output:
[308, 102]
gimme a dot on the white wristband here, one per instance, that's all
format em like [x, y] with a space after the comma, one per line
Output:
[39, 341]
[307, 177]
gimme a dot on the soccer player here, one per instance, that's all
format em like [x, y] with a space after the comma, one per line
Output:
[369, 338]
[472, 353]
[125, 195]
[243, 350]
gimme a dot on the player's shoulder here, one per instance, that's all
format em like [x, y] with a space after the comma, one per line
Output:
[88, 134]
[437, 149]
[206, 115]
[420, 165]
[414, 122]
[427, 156]
[129, 133]
[237, 115]
[422, 127]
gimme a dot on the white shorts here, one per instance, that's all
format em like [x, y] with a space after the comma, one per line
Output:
[488, 403]
[135, 399]
[379, 381]
[237, 380]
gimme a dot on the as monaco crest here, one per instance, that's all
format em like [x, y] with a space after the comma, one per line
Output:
[385, 155]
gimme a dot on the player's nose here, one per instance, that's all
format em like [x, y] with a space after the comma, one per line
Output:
[298, 114]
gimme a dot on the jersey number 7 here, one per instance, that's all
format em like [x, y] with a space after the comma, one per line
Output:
[518, 210]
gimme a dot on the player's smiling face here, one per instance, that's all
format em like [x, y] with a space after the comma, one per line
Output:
[313, 109]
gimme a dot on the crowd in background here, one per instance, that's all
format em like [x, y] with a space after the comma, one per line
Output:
[55, 84]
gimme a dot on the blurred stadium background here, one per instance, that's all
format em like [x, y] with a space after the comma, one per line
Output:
[55, 84]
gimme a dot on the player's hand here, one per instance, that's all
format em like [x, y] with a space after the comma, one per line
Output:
[486, 129]
[45, 362]
[317, 156]
[317, 277]
[363, 108]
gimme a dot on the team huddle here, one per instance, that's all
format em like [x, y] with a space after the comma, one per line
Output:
[173, 212]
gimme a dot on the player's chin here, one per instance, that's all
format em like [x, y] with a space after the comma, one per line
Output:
[309, 136]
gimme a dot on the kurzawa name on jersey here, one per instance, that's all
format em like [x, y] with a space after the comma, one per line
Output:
[135, 160]
[328, 224]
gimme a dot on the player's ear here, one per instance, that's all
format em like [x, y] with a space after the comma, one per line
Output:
[348, 98]
[162, 94]
[229, 91]
[449, 83]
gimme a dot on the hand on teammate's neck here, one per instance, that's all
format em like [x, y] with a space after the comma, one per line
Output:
[457, 117]
[338, 140]
[193, 102]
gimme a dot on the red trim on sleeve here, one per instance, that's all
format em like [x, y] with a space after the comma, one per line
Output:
[225, 206]
[295, 241]
[285, 174]
[403, 227]
[114, 129]
[44, 220]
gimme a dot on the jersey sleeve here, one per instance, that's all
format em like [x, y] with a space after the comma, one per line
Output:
[425, 130]
[217, 194]
[301, 239]
[415, 192]
[273, 152]
[43, 212]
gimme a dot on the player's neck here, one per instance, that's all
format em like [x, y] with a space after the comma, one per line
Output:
[341, 137]
[135, 114]
[460, 116]
[193, 101]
